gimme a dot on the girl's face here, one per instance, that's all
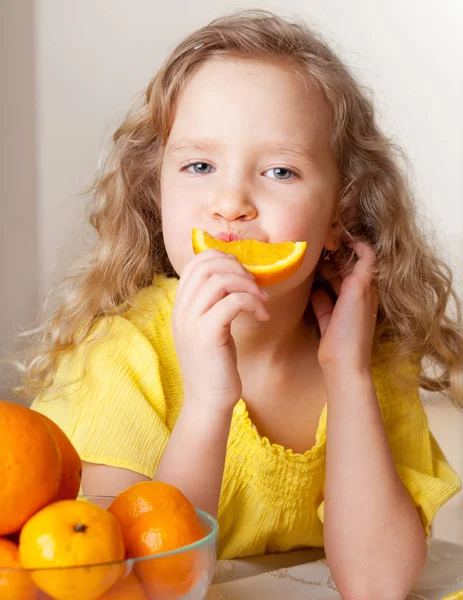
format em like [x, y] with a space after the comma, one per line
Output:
[249, 154]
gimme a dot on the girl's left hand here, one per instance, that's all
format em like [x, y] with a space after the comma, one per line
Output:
[347, 327]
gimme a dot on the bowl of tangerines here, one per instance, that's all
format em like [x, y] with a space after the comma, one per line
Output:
[148, 543]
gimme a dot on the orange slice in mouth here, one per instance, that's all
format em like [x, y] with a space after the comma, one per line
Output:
[269, 263]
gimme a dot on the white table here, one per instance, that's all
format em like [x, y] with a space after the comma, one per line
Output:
[304, 575]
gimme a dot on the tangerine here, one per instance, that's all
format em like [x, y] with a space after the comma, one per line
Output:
[71, 473]
[157, 517]
[73, 533]
[30, 465]
[145, 497]
[169, 576]
[127, 588]
[15, 584]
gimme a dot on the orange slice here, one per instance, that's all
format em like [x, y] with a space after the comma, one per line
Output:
[269, 263]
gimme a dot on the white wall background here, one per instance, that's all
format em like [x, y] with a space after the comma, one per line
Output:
[70, 69]
[18, 190]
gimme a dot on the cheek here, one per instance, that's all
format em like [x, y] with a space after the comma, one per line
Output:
[176, 230]
[303, 224]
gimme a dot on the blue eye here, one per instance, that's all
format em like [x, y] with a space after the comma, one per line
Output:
[199, 168]
[282, 174]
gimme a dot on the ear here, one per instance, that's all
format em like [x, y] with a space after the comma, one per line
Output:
[333, 236]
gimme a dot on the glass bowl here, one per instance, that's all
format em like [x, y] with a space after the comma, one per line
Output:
[181, 574]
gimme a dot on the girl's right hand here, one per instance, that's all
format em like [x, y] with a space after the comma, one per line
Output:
[213, 290]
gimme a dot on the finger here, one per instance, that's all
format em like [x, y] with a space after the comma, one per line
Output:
[322, 307]
[364, 267]
[220, 285]
[202, 270]
[199, 258]
[222, 314]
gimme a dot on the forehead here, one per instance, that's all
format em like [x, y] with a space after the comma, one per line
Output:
[236, 97]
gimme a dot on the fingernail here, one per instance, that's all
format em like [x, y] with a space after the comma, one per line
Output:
[265, 293]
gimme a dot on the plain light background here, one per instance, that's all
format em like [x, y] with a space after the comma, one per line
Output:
[69, 69]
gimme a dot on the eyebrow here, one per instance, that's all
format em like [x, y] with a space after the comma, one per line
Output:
[201, 144]
[208, 145]
[292, 150]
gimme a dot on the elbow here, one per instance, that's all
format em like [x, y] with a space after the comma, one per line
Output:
[393, 587]
[399, 571]
[374, 594]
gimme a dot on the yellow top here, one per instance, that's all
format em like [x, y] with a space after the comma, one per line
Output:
[121, 410]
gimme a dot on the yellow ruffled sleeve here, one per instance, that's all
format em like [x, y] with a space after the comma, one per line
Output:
[109, 398]
[420, 463]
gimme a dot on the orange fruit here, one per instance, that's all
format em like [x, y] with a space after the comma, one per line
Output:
[30, 465]
[156, 517]
[127, 588]
[157, 532]
[73, 533]
[71, 471]
[15, 584]
[147, 496]
[269, 263]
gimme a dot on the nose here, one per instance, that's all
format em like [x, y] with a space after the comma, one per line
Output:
[233, 205]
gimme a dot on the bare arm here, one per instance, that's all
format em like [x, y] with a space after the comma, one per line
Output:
[103, 480]
[194, 458]
[213, 290]
[374, 539]
[373, 533]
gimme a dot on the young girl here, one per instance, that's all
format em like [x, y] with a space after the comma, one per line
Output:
[293, 413]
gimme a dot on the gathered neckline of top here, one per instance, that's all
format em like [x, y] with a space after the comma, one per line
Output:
[279, 451]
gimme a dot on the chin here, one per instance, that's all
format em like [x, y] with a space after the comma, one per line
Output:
[285, 287]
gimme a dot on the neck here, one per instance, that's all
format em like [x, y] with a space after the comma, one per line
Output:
[291, 325]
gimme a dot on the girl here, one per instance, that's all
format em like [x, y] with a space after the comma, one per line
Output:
[292, 413]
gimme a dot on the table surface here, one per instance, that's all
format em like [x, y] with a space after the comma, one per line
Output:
[305, 575]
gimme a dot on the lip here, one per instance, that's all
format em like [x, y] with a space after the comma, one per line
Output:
[228, 236]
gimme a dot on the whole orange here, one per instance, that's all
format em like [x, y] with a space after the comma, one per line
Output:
[158, 532]
[14, 584]
[73, 533]
[145, 497]
[30, 465]
[157, 517]
[127, 588]
[71, 472]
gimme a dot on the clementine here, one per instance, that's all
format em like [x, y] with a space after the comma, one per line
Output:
[30, 465]
[147, 496]
[158, 532]
[15, 584]
[169, 576]
[269, 263]
[157, 517]
[71, 474]
[127, 588]
[72, 533]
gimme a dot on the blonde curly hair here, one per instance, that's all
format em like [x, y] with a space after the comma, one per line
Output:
[375, 204]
